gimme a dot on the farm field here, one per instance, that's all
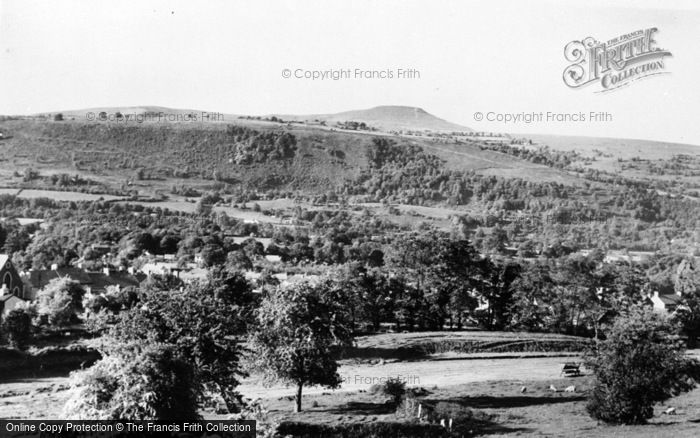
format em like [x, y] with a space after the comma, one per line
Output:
[64, 195]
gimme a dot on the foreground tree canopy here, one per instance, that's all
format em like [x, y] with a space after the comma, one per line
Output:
[642, 362]
[298, 334]
[184, 344]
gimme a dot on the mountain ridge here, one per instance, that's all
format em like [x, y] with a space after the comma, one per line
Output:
[382, 117]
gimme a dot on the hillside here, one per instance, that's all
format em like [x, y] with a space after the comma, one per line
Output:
[387, 118]
[265, 153]
[249, 152]
[624, 148]
[672, 163]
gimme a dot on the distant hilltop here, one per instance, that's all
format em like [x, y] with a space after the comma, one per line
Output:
[386, 118]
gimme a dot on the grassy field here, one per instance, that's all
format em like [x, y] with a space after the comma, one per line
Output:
[499, 408]
[59, 195]
[487, 386]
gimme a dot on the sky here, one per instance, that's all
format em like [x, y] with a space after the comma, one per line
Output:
[492, 57]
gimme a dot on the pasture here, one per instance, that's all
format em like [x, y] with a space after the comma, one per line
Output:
[487, 386]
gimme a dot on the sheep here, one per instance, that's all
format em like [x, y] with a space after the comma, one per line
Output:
[523, 389]
[670, 411]
[552, 388]
[571, 388]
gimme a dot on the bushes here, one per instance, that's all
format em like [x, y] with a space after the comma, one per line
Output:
[500, 346]
[379, 429]
[464, 420]
[135, 383]
[641, 362]
[394, 388]
[17, 327]
[46, 360]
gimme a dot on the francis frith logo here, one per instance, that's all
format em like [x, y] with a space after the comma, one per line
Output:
[614, 63]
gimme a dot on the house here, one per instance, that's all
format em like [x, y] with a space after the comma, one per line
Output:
[8, 301]
[10, 278]
[666, 302]
[188, 273]
[161, 268]
[92, 282]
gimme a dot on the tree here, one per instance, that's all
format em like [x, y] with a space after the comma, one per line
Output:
[238, 261]
[234, 291]
[574, 299]
[687, 285]
[17, 327]
[299, 330]
[445, 271]
[498, 290]
[530, 309]
[640, 363]
[58, 117]
[135, 381]
[212, 255]
[60, 302]
[16, 240]
[201, 324]
[370, 296]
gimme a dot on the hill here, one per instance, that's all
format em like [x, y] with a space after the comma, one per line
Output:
[387, 118]
[254, 153]
[266, 153]
[624, 148]
[672, 163]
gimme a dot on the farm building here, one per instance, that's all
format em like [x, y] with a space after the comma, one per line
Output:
[665, 302]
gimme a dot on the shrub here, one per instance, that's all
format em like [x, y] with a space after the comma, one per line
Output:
[135, 383]
[641, 362]
[394, 388]
[17, 326]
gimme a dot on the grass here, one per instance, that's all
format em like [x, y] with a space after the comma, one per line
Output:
[453, 345]
[499, 405]
[61, 195]
[486, 394]
[498, 409]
